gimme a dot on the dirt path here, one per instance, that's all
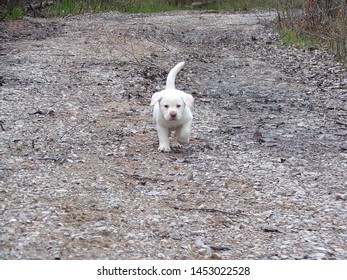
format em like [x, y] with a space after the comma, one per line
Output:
[263, 178]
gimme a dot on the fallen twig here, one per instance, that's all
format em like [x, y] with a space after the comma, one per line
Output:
[208, 210]
[340, 122]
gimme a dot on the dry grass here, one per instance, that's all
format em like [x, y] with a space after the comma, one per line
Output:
[317, 22]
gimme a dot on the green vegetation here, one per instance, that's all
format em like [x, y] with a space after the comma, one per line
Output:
[73, 7]
[244, 5]
[15, 13]
[65, 7]
[294, 38]
[61, 8]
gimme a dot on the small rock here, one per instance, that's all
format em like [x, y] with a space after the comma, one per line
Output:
[203, 251]
[199, 243]
[319, 256]
[175, 236]
[215, 256]
[270, 228]
[341, 197]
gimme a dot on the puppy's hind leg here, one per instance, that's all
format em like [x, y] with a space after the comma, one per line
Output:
[183, 136]
[176, 142]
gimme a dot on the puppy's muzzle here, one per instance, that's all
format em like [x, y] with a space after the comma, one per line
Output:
[173, 115]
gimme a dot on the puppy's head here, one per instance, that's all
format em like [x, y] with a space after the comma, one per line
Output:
[172, 103]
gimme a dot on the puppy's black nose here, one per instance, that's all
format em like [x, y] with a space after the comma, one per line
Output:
[173, 114]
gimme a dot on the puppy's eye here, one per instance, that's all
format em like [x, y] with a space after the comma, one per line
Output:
[178, 106]
[166, 106]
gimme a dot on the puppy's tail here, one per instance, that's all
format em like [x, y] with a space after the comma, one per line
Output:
[170, 81]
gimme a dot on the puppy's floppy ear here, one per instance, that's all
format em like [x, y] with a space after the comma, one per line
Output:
[156, 97]
[188, 100]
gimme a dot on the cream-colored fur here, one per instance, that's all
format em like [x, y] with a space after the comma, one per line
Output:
[172, 112]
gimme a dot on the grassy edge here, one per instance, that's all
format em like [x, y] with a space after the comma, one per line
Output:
[65, 8]
[15, 14]
[69, 7]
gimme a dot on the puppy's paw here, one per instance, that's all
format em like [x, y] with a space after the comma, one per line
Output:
[176, 144]
[184, 140]
[164, 148]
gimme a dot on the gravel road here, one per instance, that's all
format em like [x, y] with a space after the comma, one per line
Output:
[264, 176]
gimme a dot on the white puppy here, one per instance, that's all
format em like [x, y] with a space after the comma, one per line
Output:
[172, 112]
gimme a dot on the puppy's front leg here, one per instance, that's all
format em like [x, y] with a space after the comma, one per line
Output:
[163, 135]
